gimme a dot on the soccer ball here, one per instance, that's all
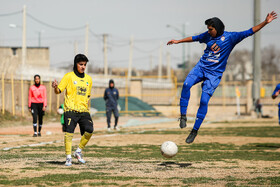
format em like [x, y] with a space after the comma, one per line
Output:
[168, 149]
[60, 111]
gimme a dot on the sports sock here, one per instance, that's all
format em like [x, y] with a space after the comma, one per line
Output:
[197, 123]
[35, 128]
[84, 140]
[78, 150]
[202, 110]
[40, 127]
[68, 142]
[183, 106]
[185, 95]
[68, 156]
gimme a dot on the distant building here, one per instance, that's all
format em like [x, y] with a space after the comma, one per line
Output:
[37, 62]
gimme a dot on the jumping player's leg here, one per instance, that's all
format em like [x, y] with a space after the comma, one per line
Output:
[201, 113]
[208, 88]
[34, 112]
[202, 110]
[185, 95]
[193, 78]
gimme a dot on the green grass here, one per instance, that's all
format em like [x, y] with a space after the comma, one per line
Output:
[231, 181]
[226, 131]
[190, 153]
[57, 179]
[112, 163]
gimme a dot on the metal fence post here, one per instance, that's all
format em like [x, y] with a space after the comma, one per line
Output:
[3, 95]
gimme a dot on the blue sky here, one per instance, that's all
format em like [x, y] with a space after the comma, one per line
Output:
[146, 20]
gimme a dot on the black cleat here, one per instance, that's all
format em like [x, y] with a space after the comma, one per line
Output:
[39, 134]
[34, 135]
[183, 121]
[191, 136]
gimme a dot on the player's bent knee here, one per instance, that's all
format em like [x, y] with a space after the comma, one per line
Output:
[89, 130]
[186, 87]
[69, 130]
[87, 135]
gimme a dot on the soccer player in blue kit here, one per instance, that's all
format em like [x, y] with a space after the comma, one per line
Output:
[275, 93]
[212, 64]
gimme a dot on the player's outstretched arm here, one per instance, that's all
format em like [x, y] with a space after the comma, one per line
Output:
[188, 39]
[269, 18]
[276, 94]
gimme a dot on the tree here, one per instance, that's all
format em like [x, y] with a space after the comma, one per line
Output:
[270, 62]
[239, 65]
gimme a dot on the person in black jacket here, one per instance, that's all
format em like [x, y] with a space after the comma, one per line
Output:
[111, 96]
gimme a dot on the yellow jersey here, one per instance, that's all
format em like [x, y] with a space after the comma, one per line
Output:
[78, 92]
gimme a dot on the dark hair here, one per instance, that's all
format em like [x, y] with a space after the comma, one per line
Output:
[110, 82]
[217, 24]
[80, 58]
[37, 76]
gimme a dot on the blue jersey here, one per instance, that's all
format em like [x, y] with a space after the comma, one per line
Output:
[111, 96]
[218, 49]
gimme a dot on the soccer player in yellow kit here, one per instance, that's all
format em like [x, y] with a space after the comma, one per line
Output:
[78, 89]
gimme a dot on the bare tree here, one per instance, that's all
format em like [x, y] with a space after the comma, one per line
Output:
[270, 62]
[239, 65]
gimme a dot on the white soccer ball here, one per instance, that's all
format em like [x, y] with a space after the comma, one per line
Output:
[60, 111]
[168, 149]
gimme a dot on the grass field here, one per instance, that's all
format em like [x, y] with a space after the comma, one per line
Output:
[236, 153]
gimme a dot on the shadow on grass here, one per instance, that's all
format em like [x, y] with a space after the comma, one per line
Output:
[170, 164]
[275, 146]
[59, 163]
[55, 162]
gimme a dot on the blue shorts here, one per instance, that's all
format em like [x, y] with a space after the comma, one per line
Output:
[210, 80]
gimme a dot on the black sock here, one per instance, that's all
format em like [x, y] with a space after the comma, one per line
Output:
[116, 121]
[35, 128]
[40, 127]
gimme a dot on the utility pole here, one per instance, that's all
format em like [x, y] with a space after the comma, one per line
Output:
[86, 44]
[256, 54]
[151, 64]
[23, 50]
[130, 57]
[105, 55]
[168, 70]
[160, 62]
[39, 39]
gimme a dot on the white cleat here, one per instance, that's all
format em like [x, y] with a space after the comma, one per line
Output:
[109, 129]
[117, 128]
[68, 162]
[79, 156]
